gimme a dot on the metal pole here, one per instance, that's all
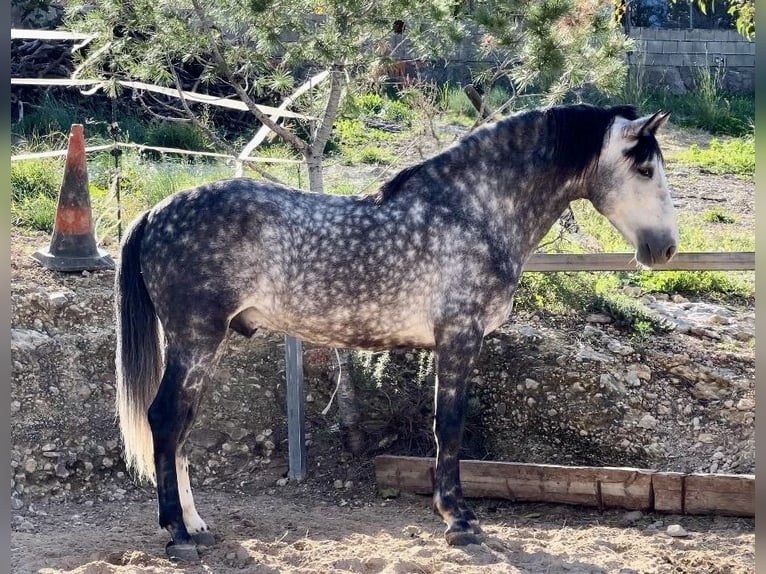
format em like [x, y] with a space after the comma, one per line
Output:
[296, 409]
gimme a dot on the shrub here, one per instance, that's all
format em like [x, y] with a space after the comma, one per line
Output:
[30, 178]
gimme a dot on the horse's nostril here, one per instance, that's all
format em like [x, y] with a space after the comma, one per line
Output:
[670, 251]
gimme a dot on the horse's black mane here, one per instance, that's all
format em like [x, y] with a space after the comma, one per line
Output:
[577, 133]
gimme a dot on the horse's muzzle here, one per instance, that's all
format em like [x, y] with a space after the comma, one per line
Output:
[656, 248]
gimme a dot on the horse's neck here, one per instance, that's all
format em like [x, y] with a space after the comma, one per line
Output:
[521, 199]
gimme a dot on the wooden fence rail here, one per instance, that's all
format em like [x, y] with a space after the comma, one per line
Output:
[707, 261]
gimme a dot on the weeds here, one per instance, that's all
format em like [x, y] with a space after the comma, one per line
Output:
[734, 156]
[718, 216]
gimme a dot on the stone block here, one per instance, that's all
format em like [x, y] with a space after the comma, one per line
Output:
[745, 48]
[714, 47]
[692, 34]
[741, 60]
[670, 47]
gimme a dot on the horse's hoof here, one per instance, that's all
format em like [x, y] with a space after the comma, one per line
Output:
[204, 538]
[461, 537]
[182, 552]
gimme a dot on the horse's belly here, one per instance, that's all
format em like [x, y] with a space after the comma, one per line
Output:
[353, 326]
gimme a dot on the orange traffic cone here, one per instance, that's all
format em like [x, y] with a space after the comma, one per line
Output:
[73, 245]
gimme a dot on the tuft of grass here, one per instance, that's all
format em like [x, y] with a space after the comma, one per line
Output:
[343, 188]
[36, 211]
[36, 177]
[630, 313]
[734, 157]
[716, 285]
[372, 155]
[718, 216]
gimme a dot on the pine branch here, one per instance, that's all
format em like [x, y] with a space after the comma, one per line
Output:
[285, 134]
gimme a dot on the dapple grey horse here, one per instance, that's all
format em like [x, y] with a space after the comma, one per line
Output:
[430, 260]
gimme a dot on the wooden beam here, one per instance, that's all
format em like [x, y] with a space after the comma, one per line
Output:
[732, 494]
[709, 261]
[669, 491]
[588, 486]
[602, 487]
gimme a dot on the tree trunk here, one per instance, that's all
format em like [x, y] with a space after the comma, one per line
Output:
[316, 177]
[348, 410]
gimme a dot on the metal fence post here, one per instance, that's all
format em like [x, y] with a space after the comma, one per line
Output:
[296, 408]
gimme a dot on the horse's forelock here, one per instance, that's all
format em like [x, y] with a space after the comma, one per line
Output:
[646, 149]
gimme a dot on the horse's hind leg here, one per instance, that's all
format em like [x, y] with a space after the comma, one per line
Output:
[171, 415]
[456, 350]
[195, 526]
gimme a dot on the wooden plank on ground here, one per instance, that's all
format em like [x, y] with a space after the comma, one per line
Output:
[589, 486]
[710, 261]
[603, 487]
[731, 494]
[668, 490]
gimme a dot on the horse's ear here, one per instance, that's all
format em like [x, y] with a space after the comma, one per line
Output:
[647, 125]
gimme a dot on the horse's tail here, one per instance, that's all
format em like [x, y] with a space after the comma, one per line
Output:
[139, 354]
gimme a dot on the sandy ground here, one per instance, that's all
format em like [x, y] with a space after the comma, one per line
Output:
[292, 531]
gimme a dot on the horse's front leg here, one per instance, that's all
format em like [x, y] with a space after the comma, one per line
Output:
[456, 350]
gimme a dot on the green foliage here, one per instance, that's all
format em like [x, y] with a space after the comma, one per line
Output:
[556, 47]
[343, 188]
[710, 284]
[718, 216]
[374, 155]
[558, 292]
[176, 135]
[630, 313]
[35, 211]
[734, 156]
[360, 144]
[454, 100]
[370, 104]
[37, 177]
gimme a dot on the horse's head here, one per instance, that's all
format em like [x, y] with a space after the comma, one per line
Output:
[631, 190]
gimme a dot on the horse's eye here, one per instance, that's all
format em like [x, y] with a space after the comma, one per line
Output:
[647, 172]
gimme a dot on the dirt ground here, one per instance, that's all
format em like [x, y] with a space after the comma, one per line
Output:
[311, 527]
[295, 531]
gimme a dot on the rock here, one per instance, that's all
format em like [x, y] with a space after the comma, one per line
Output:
[57, 299]
[411, 530]
[706, 438]
[588, 354]
[592, 333]
[348, 484]
[282, 481]
[631, 517]
[642, 371]
[30, 466]
[676, 530]
[243, 555]
[338, 484]
[16, 503]
[207, 438]
[598, 318]
[702, 332]
[531, 384]
[647, 422]
[745, 404]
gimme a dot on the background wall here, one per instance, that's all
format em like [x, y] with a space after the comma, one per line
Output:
[673, 58]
